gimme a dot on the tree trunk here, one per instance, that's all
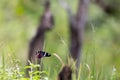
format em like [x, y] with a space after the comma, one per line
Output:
[77, 31]
[77, 24]
[37, 43]
[65, 74]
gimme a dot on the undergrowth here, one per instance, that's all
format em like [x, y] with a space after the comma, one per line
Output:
[86, 71]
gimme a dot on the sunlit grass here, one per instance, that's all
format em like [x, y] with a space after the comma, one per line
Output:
[86, 72]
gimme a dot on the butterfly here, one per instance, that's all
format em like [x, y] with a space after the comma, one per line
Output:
[41, 54]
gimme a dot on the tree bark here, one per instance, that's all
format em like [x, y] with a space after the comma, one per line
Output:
[77, 25]
[65, 74]
[46, 24]
[77, 32]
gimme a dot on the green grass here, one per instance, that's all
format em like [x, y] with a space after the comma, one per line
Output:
[87, 71]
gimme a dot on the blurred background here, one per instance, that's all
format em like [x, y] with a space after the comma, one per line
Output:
[19, 20]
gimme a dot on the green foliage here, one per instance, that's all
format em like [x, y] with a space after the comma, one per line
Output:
[14, 72]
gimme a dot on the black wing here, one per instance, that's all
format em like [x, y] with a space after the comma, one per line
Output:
[43, 54]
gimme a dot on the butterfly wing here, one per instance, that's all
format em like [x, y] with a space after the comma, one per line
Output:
[41, 54]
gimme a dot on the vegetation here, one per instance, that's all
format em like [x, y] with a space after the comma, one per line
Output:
[18, 24]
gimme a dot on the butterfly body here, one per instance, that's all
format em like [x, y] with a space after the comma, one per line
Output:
[41, 54]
